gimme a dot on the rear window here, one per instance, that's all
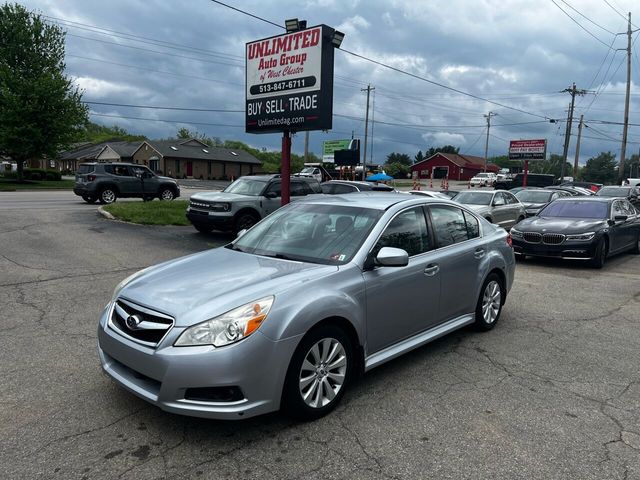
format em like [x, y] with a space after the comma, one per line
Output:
[83, 169]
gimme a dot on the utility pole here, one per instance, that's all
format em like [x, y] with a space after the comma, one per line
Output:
[366, 130]
[486, 143]
[306, 146]
[573, 91]
[623, 149]
[575, 162]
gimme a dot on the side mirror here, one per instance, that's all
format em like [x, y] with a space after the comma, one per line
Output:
[620, 218]
[271, 195]
[241, 233]
[138, 175]
[392, 257]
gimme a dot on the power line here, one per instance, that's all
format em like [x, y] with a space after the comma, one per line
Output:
[154, 51]
[618, 12]
[164, 108]
[398, 70]
[166, 121]
[588, 19]
[579, 24]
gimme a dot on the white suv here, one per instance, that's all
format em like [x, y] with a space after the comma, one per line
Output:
[483, 179]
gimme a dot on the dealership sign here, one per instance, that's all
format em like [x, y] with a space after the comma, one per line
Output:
[330, 146]
[289, 82]
[527, 149]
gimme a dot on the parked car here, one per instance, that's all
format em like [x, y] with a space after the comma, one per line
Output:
[244, 202]
[313, 172]
[501, 208]
[630, 193]
[339, 187]
[534, 199]
[483, 179]
[585, 228]
[234, 332]
[450, 193]
[106, 182]
[631, 182]
[429, 193]
[533, 180]
[594, 187]
[571, 190]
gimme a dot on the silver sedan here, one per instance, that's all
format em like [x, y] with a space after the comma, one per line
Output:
[292, 310]
[499, 207]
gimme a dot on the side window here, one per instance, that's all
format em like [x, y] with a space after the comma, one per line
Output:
[121, 170]
[498, 200]
[274, 187]
[449, 225]
[511, 200]
[630, 209]
[473, 227]
[339, 189]
[297, 189]
[314, 187]
[408, 231]
[617, 209]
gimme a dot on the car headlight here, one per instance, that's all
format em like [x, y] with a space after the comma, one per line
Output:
[516, 233]
[582, 236]
[221, 207]
[229, 327]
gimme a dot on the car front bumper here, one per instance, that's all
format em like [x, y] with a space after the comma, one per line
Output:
[257, 366]
[215, 220]
[575, 250]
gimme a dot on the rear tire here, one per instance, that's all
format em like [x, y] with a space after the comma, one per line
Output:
[601, 254]
[319, 373]
[107, 195]
[489, 304]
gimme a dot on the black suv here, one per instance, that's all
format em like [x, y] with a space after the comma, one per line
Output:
[533, 180]
[108, 181]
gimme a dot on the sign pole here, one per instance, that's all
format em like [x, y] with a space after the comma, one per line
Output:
[526, 172]
[285, 171]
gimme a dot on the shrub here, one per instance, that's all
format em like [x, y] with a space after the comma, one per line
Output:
[53, 175]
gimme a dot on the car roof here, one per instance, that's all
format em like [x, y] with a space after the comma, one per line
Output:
[482, 191]
[349, 182]
[592, 198]
[374, 200]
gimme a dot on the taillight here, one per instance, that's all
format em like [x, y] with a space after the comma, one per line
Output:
[91, 178]
[509, 240]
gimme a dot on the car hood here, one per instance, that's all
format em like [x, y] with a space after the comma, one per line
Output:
[560, 225]
[204, 285]
[532, 206]
[223, 197]
[167, 179]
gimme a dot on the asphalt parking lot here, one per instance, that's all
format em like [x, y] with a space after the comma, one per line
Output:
[553, 392]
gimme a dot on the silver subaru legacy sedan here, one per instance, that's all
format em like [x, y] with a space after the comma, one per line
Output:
[288, 314]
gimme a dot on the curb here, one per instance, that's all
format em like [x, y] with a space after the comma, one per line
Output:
[105, 214]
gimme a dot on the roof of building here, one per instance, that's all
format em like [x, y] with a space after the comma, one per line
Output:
[463, 161]
[194, 149]
[90, 151]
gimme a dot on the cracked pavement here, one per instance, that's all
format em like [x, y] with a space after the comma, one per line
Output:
[553, 392]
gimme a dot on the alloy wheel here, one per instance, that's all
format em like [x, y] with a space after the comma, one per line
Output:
[491, 302]
[323, 372]
[108, 196]
[166, 195]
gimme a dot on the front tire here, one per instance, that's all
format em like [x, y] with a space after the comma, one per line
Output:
[319, 373]
[203, 228]
[245, 221]
[489, 304]
[89, 199]
[167, 194]
[601, 254]
[636, 250]
[107, 195]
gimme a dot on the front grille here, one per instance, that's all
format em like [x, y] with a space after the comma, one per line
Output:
[138, 323]
[553, 238]
[532, 237]
[206, 206]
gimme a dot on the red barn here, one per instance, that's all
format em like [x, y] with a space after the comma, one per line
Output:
[451, 165]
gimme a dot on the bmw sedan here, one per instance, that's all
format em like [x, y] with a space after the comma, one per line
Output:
[288, 314]
[497, 206]
[584, 228]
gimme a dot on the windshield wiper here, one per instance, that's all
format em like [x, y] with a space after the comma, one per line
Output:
[280, 256]
[231, 246]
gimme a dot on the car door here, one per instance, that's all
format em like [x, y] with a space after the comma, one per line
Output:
[620, 231]
[402, 301]
[128, 183]
[461, 255]
[515, 209]
[270, 205]
[148, 180]
[499, 210]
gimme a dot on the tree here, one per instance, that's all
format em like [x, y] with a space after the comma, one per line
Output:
[602, 169]
[94, 133]
[397, 170]
[419, 156]
[401, 158]
[41, 110]
[445, 149]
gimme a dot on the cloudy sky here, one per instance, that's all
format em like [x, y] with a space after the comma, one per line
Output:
[518, 53]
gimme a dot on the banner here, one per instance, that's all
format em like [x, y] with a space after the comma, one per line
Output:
[528, 149]
[330, 146]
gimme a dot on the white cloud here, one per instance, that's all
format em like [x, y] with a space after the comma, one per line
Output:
[444, 138]
[98, 88]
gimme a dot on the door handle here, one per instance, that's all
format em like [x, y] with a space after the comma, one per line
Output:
[431, 269]
[479, 253]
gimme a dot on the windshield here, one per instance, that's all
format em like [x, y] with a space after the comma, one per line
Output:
[613, 192]
[576, 209]
[326, 234]
[482, 175]
[533, 196]
[307, 170]
[474, 198]
[246, 186]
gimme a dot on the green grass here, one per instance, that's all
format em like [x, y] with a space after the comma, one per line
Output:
[151, 213]
[7, 185]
